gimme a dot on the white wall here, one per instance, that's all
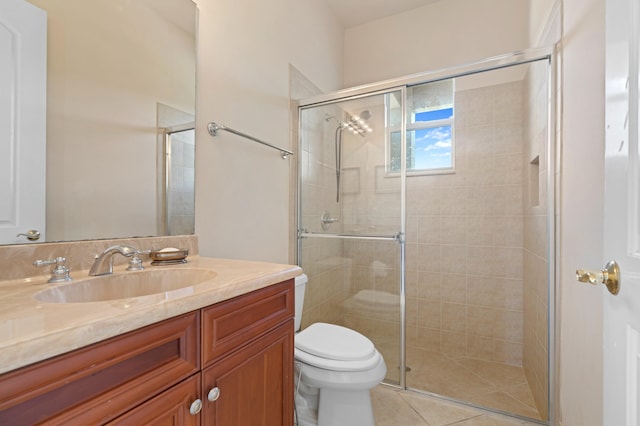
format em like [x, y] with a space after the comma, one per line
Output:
[582, 211]
[539, 11]
[244, 52]
[459, 31]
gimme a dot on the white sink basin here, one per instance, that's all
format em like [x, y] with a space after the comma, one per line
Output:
[125, 285]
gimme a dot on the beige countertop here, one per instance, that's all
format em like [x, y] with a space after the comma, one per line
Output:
[32, 331]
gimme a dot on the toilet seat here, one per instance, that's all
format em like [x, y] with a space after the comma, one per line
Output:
[337, 348]
[334, 342]
[336, 365]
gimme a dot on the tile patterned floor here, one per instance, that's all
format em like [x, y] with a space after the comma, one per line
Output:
[498, 386]
[488, 384]
[393, 407]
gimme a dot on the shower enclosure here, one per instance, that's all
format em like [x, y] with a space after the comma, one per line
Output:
[179, 151]
[425, 222]
[176, 166]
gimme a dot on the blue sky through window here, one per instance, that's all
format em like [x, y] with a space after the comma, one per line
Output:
[432, 146]
[438, 114]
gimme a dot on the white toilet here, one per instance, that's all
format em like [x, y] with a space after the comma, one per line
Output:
[336, 367]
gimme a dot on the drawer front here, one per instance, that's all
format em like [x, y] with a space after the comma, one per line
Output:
[234, 323]
[97, 383]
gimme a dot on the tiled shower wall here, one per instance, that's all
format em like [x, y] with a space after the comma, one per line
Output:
[329, 281]
[322, 258]
[373, 307]
[465, 236]
[176, 208]
[536, 262]
[180, 193]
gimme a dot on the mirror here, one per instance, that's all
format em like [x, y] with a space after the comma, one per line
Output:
[120, 114]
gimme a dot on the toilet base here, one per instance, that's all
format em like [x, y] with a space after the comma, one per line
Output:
[336, 408]
[345, 408]
[306, 405]
[333, 407]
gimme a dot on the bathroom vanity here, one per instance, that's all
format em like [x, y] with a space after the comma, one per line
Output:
[223, 355]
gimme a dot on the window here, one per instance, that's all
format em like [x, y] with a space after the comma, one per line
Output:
[430, 134]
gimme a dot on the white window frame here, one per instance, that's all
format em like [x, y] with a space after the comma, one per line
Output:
[423, 125]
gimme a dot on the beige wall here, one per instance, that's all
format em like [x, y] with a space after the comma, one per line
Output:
[244, 52]
[581, 207]
[439, 35]
[539, 14]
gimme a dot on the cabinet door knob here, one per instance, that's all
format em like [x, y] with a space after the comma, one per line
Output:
[214, 394]
[195, 407]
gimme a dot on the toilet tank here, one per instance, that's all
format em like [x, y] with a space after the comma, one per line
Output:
[301, 283]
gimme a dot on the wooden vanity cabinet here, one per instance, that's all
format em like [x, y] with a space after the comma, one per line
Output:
[247, 355]
[243, 346]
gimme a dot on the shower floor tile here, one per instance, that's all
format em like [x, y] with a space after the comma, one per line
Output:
[393, 407]
[488, 384]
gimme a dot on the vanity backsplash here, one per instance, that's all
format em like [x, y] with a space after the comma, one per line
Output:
[16, 261]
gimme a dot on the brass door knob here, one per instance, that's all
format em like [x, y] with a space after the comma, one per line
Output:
[609, 276]
[31, 234]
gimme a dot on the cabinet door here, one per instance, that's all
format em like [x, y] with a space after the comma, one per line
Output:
[255, 383]
[170, 408]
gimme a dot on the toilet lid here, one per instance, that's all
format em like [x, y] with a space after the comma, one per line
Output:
[334, 342]
[335, 365]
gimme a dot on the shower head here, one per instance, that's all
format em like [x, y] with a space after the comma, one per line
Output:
[357, 123]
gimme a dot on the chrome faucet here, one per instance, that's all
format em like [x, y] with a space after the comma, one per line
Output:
[59, 273]
[103, 264]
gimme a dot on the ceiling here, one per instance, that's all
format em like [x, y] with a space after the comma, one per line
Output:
[357, 12]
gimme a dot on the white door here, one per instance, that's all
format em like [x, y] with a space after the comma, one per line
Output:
[23, 68]
[622, 215]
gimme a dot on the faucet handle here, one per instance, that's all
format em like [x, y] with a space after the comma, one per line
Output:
[135, 263]
[59, 273]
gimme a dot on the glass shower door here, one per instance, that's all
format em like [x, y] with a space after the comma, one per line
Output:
[351, 219]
